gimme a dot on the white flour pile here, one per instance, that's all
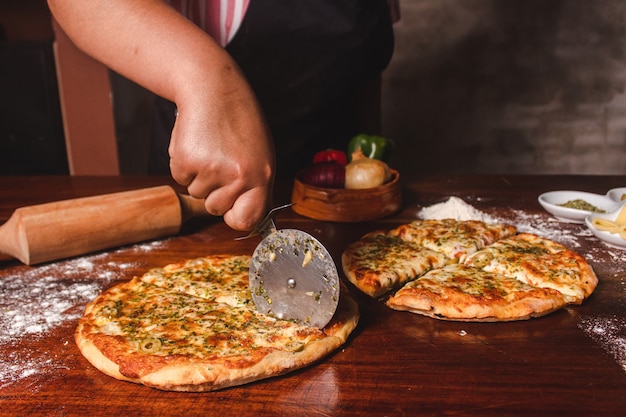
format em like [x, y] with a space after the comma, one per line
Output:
[34, 302]
[454, 208]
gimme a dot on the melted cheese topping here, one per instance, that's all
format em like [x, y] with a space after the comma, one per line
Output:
[455, 239]
[470, 281]
[381, 252]
[539, 262]
[200, 308]
[378, 262]
[217, 279]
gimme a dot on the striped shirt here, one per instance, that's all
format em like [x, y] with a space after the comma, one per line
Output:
[219, 18]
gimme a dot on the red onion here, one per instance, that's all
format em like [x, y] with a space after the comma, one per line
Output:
[330, 174]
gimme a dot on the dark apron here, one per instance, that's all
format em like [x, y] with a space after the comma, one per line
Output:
[307, 61]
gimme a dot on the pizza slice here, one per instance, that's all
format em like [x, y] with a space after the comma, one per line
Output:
[378, 262]
[164, 336]
[540, 262]
[464, 293]
[456, 239]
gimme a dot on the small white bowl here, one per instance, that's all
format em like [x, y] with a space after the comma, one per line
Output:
[611, 239]
[617, 193]
[551, 200]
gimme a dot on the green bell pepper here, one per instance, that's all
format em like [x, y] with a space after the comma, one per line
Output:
[372, 146]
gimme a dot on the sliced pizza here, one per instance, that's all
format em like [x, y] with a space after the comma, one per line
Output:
[464, 293]
[177, 329]
[456, 239]
[540, 262]
[379, 262]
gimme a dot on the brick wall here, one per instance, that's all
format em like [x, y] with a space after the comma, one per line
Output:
[516, 86]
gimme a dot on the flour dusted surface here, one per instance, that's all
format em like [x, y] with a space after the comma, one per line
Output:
[65, 287]
[37, 300]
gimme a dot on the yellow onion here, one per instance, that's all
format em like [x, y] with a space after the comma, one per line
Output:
[364, 172]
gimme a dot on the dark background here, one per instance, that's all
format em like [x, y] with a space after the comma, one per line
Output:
[509, 86]
[487, 86]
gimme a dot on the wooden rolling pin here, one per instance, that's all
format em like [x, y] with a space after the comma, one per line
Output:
[62, 229]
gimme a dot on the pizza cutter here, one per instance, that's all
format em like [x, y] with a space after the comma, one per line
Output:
[292, 276]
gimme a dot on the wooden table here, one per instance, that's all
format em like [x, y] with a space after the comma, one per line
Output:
[572, 362]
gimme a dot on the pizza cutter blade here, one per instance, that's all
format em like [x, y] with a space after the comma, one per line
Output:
[292, 276]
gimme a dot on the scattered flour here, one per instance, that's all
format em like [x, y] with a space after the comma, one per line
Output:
[36, 300]
[548, 227]
[608, 332]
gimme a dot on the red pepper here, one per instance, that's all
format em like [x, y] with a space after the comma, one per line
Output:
[331, 155]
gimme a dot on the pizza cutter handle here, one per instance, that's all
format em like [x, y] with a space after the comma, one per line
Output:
[62, 229]
[266, 226]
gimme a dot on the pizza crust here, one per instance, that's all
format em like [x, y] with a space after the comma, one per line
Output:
[249, 349]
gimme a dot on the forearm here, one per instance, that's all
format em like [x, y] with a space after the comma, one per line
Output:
[147, 42]
[220, 147]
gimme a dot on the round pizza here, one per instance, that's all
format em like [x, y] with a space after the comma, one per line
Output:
[487, 272]
[193, 326]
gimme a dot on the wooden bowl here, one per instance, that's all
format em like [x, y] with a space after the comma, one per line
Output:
[342, 205]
